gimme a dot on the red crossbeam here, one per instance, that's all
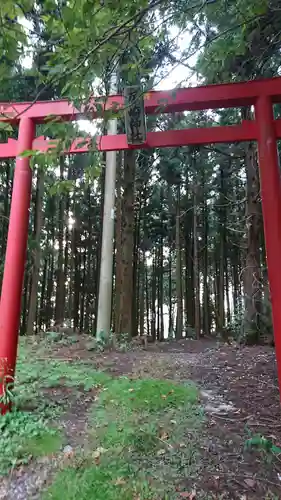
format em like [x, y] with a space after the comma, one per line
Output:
[193, 98]
[247, 131]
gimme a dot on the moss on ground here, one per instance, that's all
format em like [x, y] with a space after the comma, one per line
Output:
[142, 443]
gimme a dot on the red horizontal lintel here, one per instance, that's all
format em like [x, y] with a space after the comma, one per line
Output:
[247, 131]
[193, 98]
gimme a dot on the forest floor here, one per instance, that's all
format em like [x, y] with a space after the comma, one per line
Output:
[190, 419]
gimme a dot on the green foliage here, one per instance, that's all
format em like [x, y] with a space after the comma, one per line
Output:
[104, 341]
[32, 378]
[51, 373]
[235, 31]
[23, 436]
[7, 383]
[261, 443]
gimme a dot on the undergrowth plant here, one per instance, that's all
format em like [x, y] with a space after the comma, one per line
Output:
[25, 436]
[28, 431]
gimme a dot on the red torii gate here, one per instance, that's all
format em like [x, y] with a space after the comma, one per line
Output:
[261, 94]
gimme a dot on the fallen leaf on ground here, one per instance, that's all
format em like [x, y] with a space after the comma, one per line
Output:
[97, 453]
[250, 482]
[164, 435]
[190, 495]
[120, 481]
[68, 451]
[161, 452]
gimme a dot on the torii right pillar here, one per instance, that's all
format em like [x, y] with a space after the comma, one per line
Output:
[270, 181]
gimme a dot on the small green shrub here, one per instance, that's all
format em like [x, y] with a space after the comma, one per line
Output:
[24, 435]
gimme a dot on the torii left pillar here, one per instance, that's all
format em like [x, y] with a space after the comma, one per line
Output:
[10, 305]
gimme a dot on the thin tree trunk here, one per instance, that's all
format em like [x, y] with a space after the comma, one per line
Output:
[98, 247]
[141, 292]
[5, 214]
[153, 299]
[222, 255]
[136, 275]
[147, 299]
[206, 314]
[37, 254]
[49, 292]
[196, 263]
[76, 264]
[179, 325]
[171, 326]
[83, 294]
[60, 272]
[42, 313]
[118, 240]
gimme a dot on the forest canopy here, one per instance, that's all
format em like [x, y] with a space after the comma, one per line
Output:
[189, 250]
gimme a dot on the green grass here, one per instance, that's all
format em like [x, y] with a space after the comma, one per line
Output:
[109, 481]
[33, 376]
[28, 431]
[24, 436]
[142, 443]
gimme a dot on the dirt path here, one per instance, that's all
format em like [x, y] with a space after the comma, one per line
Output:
[240, 395]
[239, 392]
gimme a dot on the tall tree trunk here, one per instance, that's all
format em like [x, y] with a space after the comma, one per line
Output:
[125, 313]
[83, 293]
[153, 299]
[136, 274]
[118, 240]
[42, 312]
[188, 256]
[37, 253]
[206, 312]
[89, 263]
[60, 272]
[147, 299]
[161, 272]
[76, 267]
[179, 325]
[141, 291]
[235, 279]
[252, 272]
[227, 293]
[49, 292]
[196, 263]
[222, 251]
[98, 247]
[5, 214]
[170, 292]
